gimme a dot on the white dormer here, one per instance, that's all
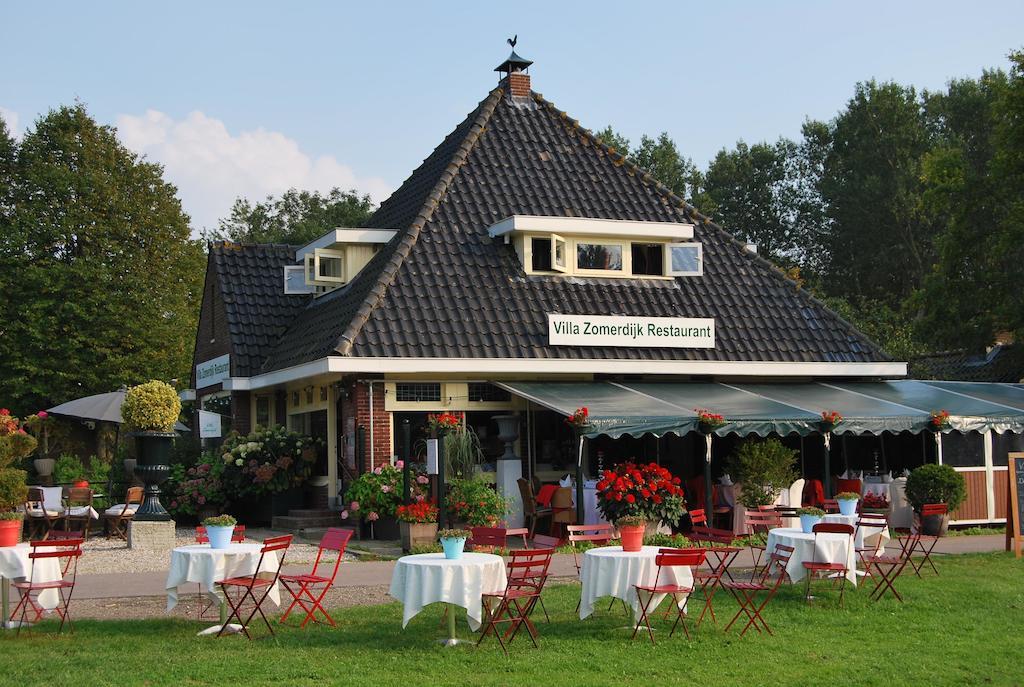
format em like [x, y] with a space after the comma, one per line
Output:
[333, 260]
[588, 246]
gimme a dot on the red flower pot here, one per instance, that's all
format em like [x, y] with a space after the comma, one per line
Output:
[632, 537]
[10, 532]
[81, 483]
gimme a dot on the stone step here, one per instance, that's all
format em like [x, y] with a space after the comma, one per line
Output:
[311, 512]
[291, 523]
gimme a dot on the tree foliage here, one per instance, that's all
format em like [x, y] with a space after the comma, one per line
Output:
[101, 279]
[296, 218]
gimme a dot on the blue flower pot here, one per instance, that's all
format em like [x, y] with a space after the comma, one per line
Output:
[848, 506]
[453, 548]
[220, 537]
[807, 522]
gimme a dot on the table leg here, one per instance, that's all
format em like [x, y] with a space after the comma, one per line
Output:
[451, 639]
[230, 629]
[5, 601]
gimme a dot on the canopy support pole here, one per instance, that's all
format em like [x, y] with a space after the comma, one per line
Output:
[828, 464]
[708, 496]
[938, 448]
[579, 485]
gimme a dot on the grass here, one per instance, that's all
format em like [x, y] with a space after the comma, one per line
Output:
[961, 628]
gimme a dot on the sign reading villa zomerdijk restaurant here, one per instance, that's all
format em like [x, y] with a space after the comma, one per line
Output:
[213, 371]
[629, 331]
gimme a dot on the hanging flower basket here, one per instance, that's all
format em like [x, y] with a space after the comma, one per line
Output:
[443, 423]
[939, 420]
[579, 419]
[830, 419]
[707, 421]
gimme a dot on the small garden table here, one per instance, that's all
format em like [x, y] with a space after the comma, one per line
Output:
[428, 578]
[16, 565]
[861, 533]
[610, 571]
[207, 566]
[827, 548]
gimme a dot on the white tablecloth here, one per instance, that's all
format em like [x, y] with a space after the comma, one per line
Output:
[610, 571]
[202, 564]
[16, 565]
[731, 493]
[428, 578]
[828, 548]
[874, 535]
[591, 515]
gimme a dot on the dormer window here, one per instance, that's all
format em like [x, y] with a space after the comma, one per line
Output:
[335, 258]
[587, 247]
[295, 280]
[329, 265]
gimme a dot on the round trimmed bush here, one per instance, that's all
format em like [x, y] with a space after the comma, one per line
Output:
[935, 484]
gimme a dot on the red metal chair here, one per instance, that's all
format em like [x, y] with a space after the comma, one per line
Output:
[527, 573]
[746, 592]
[830, 569]
[237, 535]
[924, 543]
[601, 535]
[830, 505]
[308, 591]
[865, 523]
[67, 552]
[666, 559]
[884, 569]
[814, 493]
[246, 587]
[760, 522]
[488, 539]
[719, 555]
[697, 517]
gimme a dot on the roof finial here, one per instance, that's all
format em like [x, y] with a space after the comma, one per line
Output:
[512, 41]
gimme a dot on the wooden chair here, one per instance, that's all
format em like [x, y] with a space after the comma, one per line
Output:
[746, 592]
[67, 551]
[78, 510]
[721, 515]
[563, 512]
[117, 517]
[255, 587]
[39, 520]
[308, 591]
[531, 511]
[527, 572]
[828, 568]
[667, 559]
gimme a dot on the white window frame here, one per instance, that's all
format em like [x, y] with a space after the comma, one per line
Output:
[624, 270]
[301, 269]
[557, 240]
[332, 254]
[684, 273]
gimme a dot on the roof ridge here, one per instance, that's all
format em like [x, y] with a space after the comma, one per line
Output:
[670, 195]
[411, 233]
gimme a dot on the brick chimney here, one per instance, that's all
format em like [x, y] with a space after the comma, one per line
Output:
[513, 72]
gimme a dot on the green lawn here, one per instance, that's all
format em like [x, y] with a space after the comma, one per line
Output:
[964, 627]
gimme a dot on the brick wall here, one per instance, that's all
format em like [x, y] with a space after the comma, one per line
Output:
[519, 84]
[357, 405]
[212, 339]
[241, 412]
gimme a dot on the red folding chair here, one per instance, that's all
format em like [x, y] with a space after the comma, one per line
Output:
[488, 539]
[308, 591]
[760, 522]
[924, 543]
[829, 569]
[884, 569]
[600, 535]
[237, 535]
[746, 592]
[719, 555]
[666, 560]
[247, 587]
[866, 522]
[67, 552]
[527, 573]
[697, 517]
[830, 505]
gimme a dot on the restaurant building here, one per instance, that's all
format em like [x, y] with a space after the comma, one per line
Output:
[527, 268]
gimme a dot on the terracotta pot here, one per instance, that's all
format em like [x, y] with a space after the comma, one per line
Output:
[417, 534]
[632, 537]
[10, 532]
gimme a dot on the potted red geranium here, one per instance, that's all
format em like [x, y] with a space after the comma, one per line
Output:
[417, 524]
[643, 493]
[15, 444]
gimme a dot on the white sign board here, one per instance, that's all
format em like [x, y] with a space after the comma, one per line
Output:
[627, 331]
[431, 456]
[213, 371]
[209, 425]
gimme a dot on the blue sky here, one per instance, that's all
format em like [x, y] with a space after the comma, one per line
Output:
[251, 98]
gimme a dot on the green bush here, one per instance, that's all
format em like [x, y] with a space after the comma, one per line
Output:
[67, 469]
[12, 489]
[935, 484]
[763, 467]
[675, 541]
[476, 503]
[99, 470]
[220, 521]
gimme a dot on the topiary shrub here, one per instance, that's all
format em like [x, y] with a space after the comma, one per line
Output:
[13, 491]
[15, 444]
[151, 407]
[935, 484]
[763, 467]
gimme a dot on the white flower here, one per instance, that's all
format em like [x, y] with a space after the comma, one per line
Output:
[239, 462]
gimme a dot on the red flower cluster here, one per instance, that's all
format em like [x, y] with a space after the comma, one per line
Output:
[649, 491]
[940, 419]
[579, 418]
[707, 419]
[420, 512]
[8, 423]
[831, 417]
[874, 501]
[445, 422]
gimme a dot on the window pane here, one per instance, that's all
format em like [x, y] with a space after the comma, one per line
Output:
[963, 450]
[560, 254]
[416, 392]
[685, 258]
[541, 255]
[263, 411]
[598, 256]
[482, 391]
[647, 258]
[330, 267]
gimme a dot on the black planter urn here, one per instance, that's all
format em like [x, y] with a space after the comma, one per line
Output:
[153, 469]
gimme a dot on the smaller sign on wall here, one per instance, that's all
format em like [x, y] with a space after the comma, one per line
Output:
[213, 371]
[209, 425]
[431, 456]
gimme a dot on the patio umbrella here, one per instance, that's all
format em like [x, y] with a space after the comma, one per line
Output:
[99, 408]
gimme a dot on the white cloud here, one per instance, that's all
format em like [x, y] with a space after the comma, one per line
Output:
[211, 167]
[10, 117]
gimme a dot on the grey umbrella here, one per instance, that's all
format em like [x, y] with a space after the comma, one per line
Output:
[100, 408]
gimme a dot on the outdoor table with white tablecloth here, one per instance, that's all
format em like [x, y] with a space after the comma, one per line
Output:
[825, 548]
[873, 535]
[16, 565]
[428, 578]
[207, 566]
[610, 571]
[730, 495]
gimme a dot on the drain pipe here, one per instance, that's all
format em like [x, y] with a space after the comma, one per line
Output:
[371, 426]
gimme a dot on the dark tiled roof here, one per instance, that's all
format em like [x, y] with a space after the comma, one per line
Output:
[1004, 363]
[251, 282]
[444, 288]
